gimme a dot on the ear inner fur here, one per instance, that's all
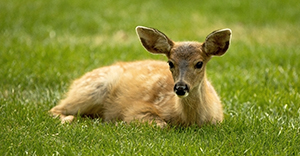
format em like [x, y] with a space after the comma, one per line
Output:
[154, 41]
[217, 42]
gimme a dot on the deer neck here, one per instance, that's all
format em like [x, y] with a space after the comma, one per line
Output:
[190, 108]
[194, 100]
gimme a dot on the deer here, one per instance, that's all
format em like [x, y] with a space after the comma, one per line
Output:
[176, 92]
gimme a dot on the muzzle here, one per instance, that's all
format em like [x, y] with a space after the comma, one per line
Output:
[181, 89]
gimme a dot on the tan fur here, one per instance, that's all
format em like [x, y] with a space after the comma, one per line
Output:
[144, 90]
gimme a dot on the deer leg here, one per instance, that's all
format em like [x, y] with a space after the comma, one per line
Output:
[144, 112]
[81, 100]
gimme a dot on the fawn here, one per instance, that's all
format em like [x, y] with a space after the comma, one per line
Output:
[176, 93]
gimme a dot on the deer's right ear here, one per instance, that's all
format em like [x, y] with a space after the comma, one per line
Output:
[154, 41]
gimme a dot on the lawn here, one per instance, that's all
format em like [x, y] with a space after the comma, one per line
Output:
[44, 45]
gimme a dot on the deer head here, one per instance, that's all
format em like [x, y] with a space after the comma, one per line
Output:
[187, 60]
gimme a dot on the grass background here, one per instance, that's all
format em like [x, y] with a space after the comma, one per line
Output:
[46, 44]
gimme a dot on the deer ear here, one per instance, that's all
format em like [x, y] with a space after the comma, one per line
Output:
[217, 42]
[154, 41]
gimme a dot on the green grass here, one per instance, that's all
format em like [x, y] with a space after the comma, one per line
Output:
[46, 44]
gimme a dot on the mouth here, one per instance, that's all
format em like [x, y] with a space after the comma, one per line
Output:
[183, 96]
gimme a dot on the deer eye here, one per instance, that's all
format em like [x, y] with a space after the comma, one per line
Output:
[171, 64]
[199, 65]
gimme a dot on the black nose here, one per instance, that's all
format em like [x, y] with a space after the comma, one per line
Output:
[181, 89]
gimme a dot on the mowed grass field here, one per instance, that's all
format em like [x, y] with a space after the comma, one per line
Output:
[44, 45]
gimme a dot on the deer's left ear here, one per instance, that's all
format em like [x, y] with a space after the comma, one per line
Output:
[154, 41]
[217, 42]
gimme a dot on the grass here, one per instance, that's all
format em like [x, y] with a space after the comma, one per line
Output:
[46, 44]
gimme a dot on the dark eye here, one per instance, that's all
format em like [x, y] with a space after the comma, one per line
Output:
[171, 65]
[199, 65]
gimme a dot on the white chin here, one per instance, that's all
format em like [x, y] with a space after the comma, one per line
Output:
[183, 96]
